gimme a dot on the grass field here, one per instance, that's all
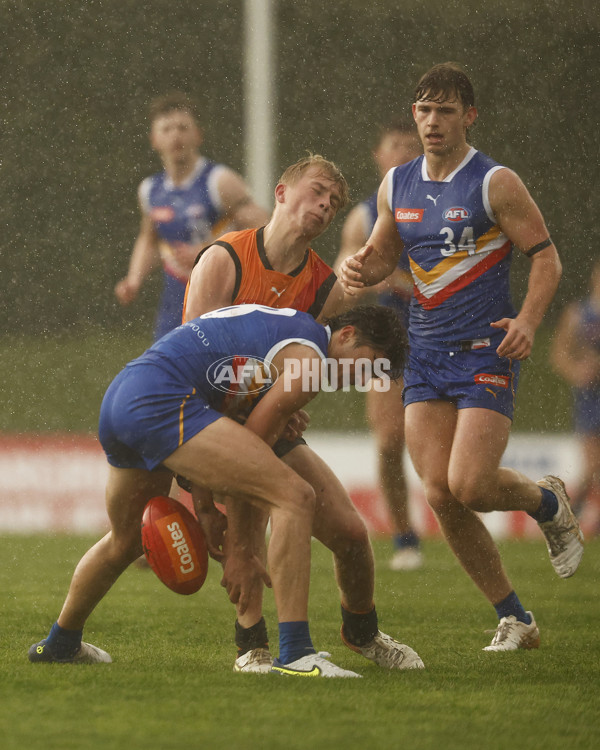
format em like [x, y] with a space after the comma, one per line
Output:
[171, 684]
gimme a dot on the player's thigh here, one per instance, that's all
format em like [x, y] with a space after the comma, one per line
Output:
[385, 413]
[335, 517]
[128, 491]
[429, 427]
[480, 440]
[231, 460]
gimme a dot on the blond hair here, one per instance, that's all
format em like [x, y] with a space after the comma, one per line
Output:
[295, 171]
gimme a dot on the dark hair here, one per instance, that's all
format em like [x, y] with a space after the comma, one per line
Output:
[175, 101]
[445, 82]
[399, 124]
[379, 327]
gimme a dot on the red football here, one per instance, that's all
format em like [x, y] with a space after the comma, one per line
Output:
[174, 545]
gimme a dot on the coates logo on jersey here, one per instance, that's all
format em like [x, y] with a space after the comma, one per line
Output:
[242, 375]
[457, 213]
[409, 214]
[162, 214]
[487, 378]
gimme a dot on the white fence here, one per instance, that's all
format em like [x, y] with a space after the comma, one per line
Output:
[55, 483]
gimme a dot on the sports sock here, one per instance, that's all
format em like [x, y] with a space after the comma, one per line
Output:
[511, 605]
[548, 507]
[63, 644]
[247, 639]
[294, 641]
[359, 627]
[402, 541]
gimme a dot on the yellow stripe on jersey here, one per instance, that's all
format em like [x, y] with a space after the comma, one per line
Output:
[181, 408]
[458, 266]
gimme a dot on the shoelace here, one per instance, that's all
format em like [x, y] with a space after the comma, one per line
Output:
[557, 536]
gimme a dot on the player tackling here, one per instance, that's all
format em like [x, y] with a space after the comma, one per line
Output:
[163, 415]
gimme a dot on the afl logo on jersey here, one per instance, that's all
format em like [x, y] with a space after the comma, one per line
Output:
[457, 213]
[162, 214]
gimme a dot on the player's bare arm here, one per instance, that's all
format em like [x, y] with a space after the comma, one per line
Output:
[378, 258]
[287, 396]
[144, 259]
[212, 283]
[238, 204]
[354, 235]
[521, 220]
[335, 303]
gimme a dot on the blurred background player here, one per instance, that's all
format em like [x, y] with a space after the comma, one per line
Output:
[398, 143]
[575, 355]
[183, 207]
[458, 214]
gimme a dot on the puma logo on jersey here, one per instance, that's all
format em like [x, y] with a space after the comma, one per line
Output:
[434, 200]
[276, 292]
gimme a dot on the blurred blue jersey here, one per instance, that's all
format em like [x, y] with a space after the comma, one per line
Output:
[186, 217]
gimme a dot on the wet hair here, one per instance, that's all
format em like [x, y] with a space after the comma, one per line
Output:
[445, 82]
[379, 327]
[295, 171]
[175, 101]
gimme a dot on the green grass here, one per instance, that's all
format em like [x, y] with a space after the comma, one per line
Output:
[171, 683]
[57, 383]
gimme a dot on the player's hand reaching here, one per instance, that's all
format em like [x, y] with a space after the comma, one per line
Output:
[243, 573]
[297, 424]
[126, 291]
[214, 526]
[518, 342]
[350, 273]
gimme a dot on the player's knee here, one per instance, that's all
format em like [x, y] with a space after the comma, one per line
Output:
[439, 498]
[298, 496]
[470, 492]
[125, 544]
[352, 541]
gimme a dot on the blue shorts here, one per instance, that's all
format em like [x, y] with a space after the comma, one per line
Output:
[469, 379]
[146, 414]
[586, 410]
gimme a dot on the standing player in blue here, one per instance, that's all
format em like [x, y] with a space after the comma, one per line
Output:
[163, 415]
[576, 357]
[397, 144]
[190, 202]
[458, 214]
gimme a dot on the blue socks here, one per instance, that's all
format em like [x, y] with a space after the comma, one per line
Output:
[548, 507]
[512, 606]
[63, 644]
[294, 641]
[402, 541]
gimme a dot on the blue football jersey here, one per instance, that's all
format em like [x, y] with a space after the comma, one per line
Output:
[226, 354]
[589, 327]
[184, 215]
[459, 257]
